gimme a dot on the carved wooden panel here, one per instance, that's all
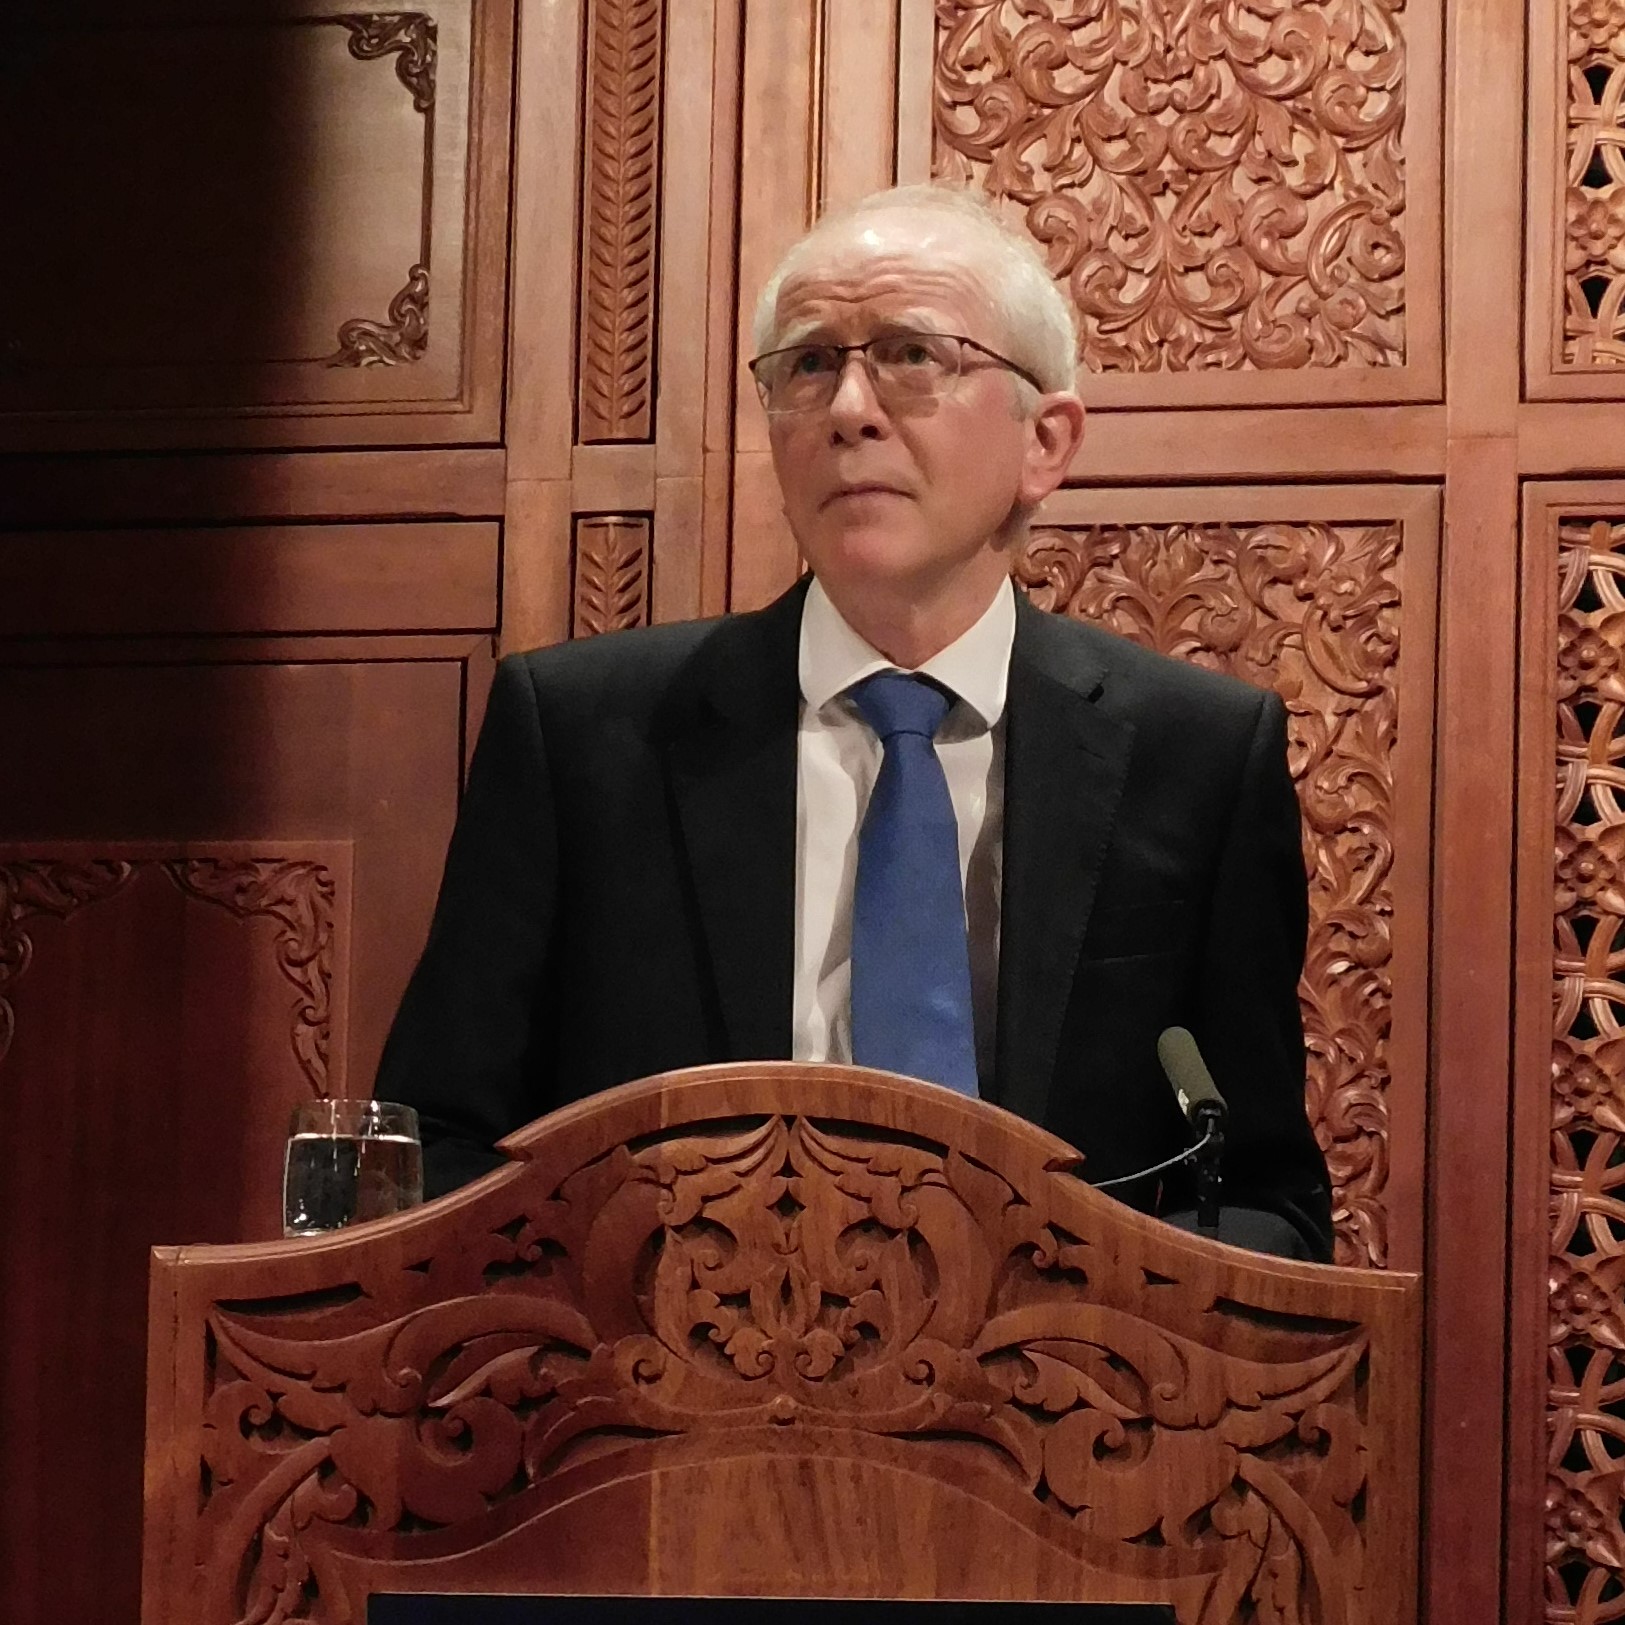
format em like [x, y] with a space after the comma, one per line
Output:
[688, 1284]
[1576, 322]
[614, 559]
[162, 1006]
[1313, 610]
[1248, 195]
[297, 894]
[1585, 1495]
[246, 835]
[620, 192]
[314, 269]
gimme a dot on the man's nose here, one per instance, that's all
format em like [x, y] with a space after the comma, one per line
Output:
[855, 411]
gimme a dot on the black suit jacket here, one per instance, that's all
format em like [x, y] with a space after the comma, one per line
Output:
[619, 900]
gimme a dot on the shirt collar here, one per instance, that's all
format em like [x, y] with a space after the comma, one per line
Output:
[975, 666]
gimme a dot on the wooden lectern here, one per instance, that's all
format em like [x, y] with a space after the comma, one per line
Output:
[779, 1330]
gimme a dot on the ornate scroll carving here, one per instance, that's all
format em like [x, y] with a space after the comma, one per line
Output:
[298, 894]
[614, 554]
[48, 886]
[1585, 1497]
[403, 337]
[769, 1273]
[1313, 612]
[618, 220]
[410, 36]
[1218, 186]
[1594, 204]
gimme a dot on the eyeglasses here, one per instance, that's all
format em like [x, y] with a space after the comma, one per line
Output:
[903, 367]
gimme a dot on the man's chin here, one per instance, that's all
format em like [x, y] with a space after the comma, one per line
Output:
[867, 559]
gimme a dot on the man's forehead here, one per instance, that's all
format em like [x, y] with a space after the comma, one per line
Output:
[858, 282]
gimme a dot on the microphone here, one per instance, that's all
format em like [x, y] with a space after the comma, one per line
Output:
[1205, 1111]
[1204, 1108]
[1198, 1096]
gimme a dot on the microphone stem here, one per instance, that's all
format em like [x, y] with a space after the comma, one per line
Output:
[1209, 1178]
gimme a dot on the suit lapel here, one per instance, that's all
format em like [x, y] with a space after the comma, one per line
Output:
[731, 761]
[1065, 763]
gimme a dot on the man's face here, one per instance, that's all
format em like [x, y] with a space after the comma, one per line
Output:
[908, 496]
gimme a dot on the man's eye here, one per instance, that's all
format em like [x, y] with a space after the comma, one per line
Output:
[907, 352]
[811, 362]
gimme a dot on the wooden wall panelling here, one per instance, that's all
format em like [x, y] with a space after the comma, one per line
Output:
[1565, 439]
[236, 776]
[162, 1007]
[1574, 320]
[1271, 238]
[620, 242]
[721, 393]
[324, 269]
[856, 98]
[1570, 1078]
[152, 1047]
[780, 119]
[304, 738]
[654, 207]
[257, 579]
[439, 483]
[698, 205]
[1465, 1533]
[611, 575]
[1326, 593]
[540, 426]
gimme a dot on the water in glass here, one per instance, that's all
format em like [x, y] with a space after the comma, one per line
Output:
[349, 1161]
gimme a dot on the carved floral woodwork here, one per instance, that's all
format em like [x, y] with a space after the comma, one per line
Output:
[618, 227]
[297, 893]
[747, 1279]
[614, 555]
[402, 336]
[411, 37]
[1593, 218]
[55, 887]
[299, 896]
[1585, 1493]
[1216, 186]
[1311, 610]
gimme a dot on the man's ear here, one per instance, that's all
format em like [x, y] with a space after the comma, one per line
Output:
[1054, 433]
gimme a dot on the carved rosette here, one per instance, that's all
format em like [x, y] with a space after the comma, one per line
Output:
[1311, 611]
[783, 1273]
[52, 886]
[1217, 186]
[614, 555]
[618, 227]
[298, 895]
[1593, 226]
[1585, 1500]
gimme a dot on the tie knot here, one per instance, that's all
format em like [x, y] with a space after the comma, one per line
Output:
[896, 702]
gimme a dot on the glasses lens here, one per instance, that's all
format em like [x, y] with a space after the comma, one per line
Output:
[798, 378]
[913, 364]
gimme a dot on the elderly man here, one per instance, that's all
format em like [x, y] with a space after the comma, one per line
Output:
[898, 816]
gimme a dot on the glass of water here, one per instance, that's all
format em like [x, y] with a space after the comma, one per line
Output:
[348, 1161]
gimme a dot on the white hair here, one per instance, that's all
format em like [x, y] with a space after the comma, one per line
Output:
[1040, 332]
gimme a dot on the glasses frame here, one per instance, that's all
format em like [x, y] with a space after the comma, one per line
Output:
[842, 351]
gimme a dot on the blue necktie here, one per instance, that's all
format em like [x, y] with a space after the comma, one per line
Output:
[911, 996]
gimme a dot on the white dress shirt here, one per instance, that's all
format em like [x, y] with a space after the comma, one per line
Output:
[837, 760]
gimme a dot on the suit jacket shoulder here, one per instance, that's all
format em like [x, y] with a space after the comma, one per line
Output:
[669, 680]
